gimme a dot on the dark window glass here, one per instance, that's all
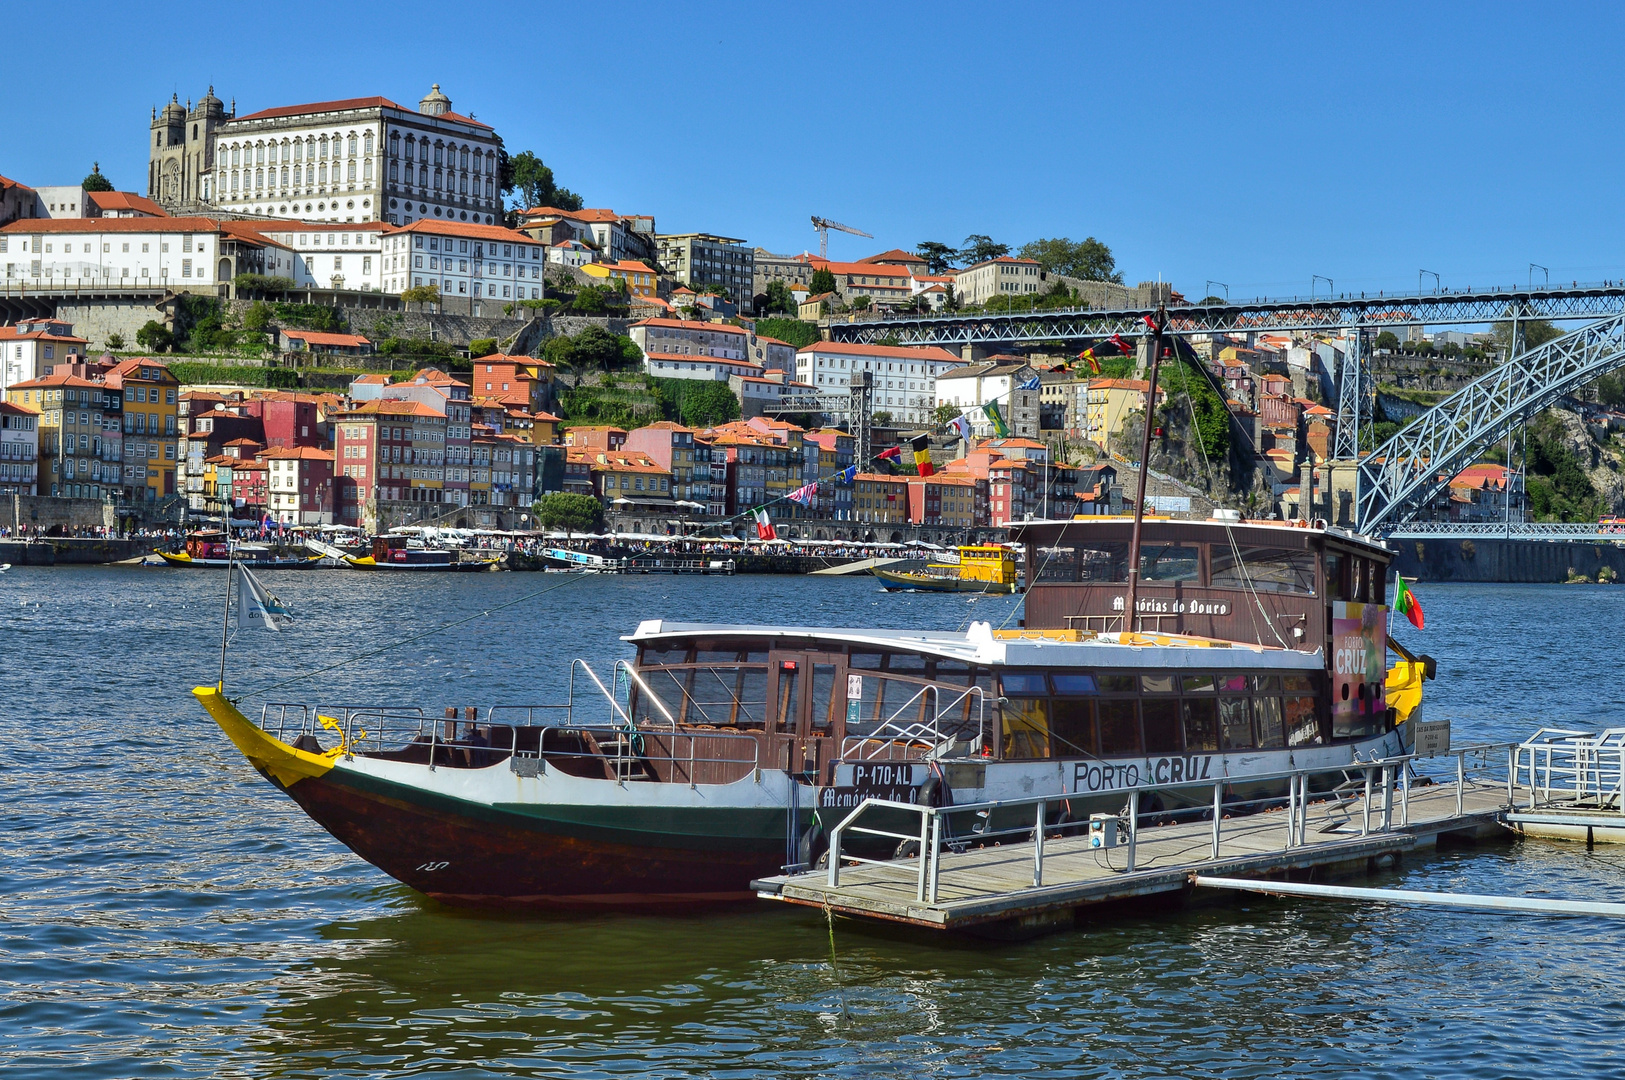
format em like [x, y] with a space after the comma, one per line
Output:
[663, 653]
[1267, 717]
[1161, 718]
[1335, 589]
[1233, 684]
[1074, 726]
[1267, 684]
[1056, 563]
[1265, 569]
[1197, 684]
[906, 663]
[1157, 684]
[1105, 562]
[1119, 727]
[1028, 683]
[1235, 729]
[1116, 684]
[717, 656]
[1166, 562]
[1303, 684]
[869, 661]
[1073, 684]
[1201, 724]
[1026, 728]
[1302, 725]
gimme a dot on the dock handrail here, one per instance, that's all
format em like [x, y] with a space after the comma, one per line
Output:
[1384, 779]
[1558, 766]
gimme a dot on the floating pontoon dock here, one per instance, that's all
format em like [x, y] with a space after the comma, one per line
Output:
[1040, 875]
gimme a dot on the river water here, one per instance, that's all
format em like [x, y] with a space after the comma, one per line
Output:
[165, 912]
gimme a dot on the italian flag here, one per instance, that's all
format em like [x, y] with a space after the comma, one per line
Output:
[1406, 604]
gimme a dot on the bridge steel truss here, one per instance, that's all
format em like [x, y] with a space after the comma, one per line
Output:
[1373, 312]
[1406, 472]
[1509, 530]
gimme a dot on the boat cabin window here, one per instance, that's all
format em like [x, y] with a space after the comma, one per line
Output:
[704, 687]
[1058, 563]
[1113, 714]
[1102, 563]
[1336, 582]
[1264, 569]
[1169, 562]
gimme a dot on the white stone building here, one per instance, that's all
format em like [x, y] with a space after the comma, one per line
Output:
[328, 255]
[176, 253]
[1003, 276]
[905, 380]
[472, 264]
[19, 449]
[998, 380]
[680, 337]
[32, 347]
[359, 159]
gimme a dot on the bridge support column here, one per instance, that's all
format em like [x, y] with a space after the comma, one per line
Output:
[1342, 479]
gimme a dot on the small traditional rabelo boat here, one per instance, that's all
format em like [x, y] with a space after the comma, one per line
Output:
[981, 568]
[397, 551]
[207, 548]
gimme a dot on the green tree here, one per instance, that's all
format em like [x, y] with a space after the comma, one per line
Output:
[155, 336]
[115, 341]
[704, 404]
[592, 347]
[939, 258]
[1387, 340]
[568, 511]
[533, 183]
[1088, 259]
[479, 347]
[945, 415]
[421, 294]
[791, 331]
[96, 181]
[979, 248]
[823, 282]
[882, 418]
[257, 317]
[1559, 489]
[1536, 332]
[1610, 389]
[780, 301]
[862, 303]
[1212, 301]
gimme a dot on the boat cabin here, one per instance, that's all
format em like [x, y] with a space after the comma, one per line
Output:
[402, 550]
[206, 544]
[1266, 582]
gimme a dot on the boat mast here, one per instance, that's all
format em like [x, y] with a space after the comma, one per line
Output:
[1145, 464]
[225, 620]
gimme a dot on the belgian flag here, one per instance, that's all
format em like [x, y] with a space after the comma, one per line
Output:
[920, 444]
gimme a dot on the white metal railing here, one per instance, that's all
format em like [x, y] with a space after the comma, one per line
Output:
[932, 701]
[1384, 786]
[1562, 767]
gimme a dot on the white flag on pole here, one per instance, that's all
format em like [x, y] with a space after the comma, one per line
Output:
[257, 607]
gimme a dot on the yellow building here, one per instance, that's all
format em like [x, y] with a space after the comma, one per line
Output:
[1109, 403]
[151, 419]
[639, 278]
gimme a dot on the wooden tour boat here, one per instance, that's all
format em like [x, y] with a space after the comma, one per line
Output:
[397, 551]
[208, 548]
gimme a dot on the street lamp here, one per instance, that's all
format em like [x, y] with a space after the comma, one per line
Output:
[1438, 286]
[1536, 266]
[1320, 277]
[1221, 285]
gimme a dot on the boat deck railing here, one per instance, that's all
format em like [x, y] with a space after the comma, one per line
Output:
[917, 723]
[1559, 767]
[1381, 786]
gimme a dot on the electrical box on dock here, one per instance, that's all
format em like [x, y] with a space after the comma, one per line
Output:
[1102, 830]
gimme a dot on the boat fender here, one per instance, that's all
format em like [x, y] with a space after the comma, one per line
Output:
[935, 791]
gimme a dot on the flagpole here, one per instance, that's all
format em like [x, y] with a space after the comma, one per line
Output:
[1145, 466]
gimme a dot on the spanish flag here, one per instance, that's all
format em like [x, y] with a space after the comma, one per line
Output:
[922, 455]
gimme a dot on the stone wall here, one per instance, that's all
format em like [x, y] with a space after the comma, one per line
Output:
[97, 319]
[1513, 561]
[38, 513]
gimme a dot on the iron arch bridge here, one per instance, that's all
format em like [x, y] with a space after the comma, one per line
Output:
[1406, 472]
[1586, 301]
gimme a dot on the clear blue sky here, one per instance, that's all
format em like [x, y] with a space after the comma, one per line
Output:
[1252, 145]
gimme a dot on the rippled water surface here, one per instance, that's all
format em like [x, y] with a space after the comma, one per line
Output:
[164, 912]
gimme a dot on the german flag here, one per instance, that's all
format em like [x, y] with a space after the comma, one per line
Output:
[921, 445]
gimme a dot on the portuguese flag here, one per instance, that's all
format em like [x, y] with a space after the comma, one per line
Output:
[1406, 604]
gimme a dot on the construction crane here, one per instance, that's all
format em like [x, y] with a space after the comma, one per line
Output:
[824, 225]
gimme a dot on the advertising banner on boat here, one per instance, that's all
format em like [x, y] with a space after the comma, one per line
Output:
[1359, 654]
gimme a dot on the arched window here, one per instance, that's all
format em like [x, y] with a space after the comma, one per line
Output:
[366, 170]
[352, 171]
[395, 144]
[259, 153]
[437, 179]
[284, 176]
[259, 178]
[299, 150]
[323, 174]
[439, 149]
[423, 176]
[462, 184]
[463, 159]
[236, 155]
[323, 145]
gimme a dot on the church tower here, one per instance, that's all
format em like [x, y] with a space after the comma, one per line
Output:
[181, 154]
